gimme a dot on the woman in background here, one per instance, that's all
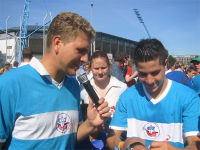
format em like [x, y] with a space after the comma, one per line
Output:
[106, 86]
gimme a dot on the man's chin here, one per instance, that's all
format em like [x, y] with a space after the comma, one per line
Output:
[71, 72]
[151, 89]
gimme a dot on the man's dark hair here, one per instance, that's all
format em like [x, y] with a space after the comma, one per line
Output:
[119, 56]
[191, 68]
[27, 53]
[150, 49]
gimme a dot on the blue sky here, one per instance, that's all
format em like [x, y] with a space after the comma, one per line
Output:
[176, 23]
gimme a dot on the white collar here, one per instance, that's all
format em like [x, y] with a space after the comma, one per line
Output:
[38, 66]
[113, 82]
[157, 100]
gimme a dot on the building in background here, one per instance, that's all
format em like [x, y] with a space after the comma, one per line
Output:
[186, 59]
[105, 42]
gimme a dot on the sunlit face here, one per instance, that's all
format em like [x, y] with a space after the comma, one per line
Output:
[73, 54]
[192, 74]
[152, 75]
[100, 69]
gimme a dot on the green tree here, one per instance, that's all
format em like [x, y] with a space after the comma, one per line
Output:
[171, 60]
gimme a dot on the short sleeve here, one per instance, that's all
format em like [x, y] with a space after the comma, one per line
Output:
[191, 116]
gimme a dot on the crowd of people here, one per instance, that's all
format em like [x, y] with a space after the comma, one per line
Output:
[144, 103]
[27, 55]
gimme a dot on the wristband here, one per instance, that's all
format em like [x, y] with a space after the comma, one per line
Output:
[131, 146]
[120, 144]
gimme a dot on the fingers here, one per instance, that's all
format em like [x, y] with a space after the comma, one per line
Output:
[91, 103]
[158, 145]
[155, 145]
[134, 140]
[103, 108]
[101, 100]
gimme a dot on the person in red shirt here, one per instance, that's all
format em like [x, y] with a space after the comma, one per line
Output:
[131, 74]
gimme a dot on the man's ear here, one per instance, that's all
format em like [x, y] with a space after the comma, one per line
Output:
[57, 43]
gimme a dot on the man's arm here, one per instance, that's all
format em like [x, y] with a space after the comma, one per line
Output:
[95, 117]
[193, 144]
[113, 140]
[84, 130]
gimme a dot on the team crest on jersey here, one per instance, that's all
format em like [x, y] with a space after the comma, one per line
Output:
[151, 130]
[63, 122]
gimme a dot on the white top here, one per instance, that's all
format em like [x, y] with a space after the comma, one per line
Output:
[25, 63]
[114, 89]
[37, 65]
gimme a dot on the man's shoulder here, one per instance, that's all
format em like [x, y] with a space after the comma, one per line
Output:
[197, 77]
[71, 80]
[15, 74]
[181, 89]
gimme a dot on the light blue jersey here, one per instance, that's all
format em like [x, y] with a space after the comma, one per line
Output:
[36, 114]
[173, 116]
[196, 83]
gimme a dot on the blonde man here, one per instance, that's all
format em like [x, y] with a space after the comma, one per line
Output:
[42, 109]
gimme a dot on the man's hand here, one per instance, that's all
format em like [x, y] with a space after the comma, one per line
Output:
[130, 141]
[193, 144]
[161, 145]
[97, 116]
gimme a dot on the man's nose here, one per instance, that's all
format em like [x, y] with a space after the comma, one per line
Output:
[149, 79]
[84, 58]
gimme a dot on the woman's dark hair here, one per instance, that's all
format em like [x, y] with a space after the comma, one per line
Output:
[150, 49]
[99, 54]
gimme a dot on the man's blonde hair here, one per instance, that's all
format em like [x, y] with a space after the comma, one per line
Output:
[68, 25]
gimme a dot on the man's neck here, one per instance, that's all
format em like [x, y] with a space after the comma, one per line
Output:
[52, 69]
[160, 91]
[26, 60]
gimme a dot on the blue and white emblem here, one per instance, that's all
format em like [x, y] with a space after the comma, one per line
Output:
[151, 130]
[63, 122]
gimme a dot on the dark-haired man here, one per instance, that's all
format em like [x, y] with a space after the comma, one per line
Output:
[160, 111]
[27, 56]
